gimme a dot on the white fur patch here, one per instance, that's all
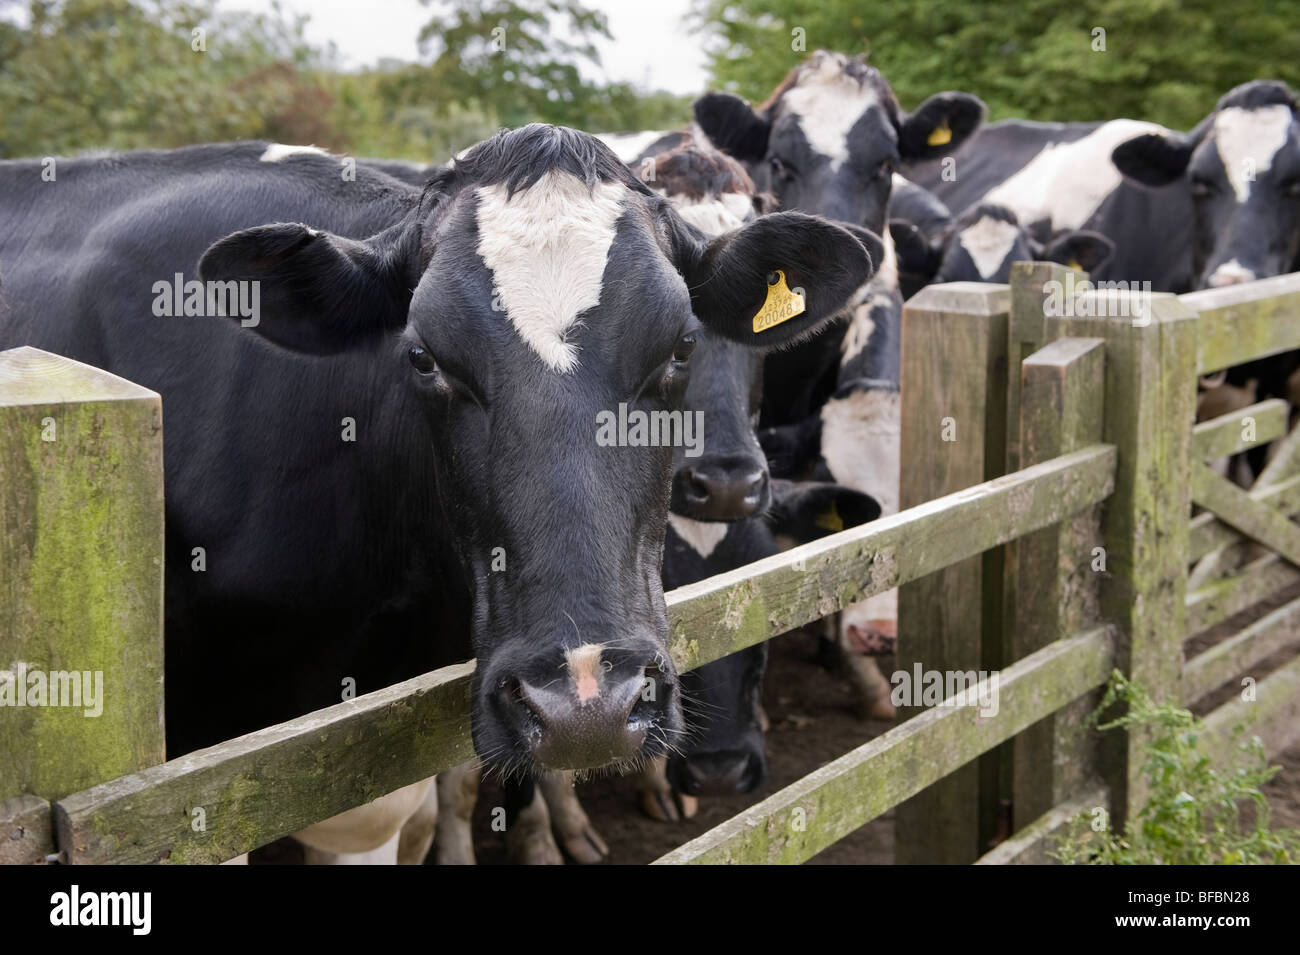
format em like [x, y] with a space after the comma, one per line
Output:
[861, 436]
[584, 670]
[627, 146]
[827, 103]
[702, 536]
[546, 247]
[1066, 182]
[1230, 273]
[1248, 139]
[988, 243]
[858, 333]
[278, 151]
[714, 216]
[367, 827]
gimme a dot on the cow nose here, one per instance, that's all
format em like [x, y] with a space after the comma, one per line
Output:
[589, 721]
[720, 774]
[721, 493]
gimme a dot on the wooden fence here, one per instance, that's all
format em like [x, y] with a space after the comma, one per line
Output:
[1049, 468]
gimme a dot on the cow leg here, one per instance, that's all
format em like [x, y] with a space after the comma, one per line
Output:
[576, 833]
[365, 829]
[416, 837]
[457, 794]
[528, 826]
[656, 796]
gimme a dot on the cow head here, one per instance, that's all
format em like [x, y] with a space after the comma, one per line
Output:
[828, 139]
[981, 245]
[534, 298]
[1242, 165]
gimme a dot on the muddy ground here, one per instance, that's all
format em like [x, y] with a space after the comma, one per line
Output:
[813, 722]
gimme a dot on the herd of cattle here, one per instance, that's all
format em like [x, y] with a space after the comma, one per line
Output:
[395, 467]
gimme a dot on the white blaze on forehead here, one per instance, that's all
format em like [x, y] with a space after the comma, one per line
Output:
[546, 247]
[827, 103]
[714, 215]
[1248, 139]
[584, 670]
[278, 151]
[702, 536]
[1066, 182]
[988, 242]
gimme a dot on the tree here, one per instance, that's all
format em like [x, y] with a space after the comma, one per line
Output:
[1162, 60]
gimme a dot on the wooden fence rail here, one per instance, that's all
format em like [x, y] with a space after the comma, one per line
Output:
[1051, 461]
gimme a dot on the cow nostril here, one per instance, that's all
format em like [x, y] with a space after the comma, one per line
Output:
[698, 488]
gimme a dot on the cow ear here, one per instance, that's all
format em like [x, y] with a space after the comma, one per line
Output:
[780, 277]
[917, 258]
[1154, 159]
[318, 293]
[1080, 249]
[733, 126]
[940, 125]
[808, 510]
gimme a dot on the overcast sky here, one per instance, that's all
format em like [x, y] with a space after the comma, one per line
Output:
[651, 45]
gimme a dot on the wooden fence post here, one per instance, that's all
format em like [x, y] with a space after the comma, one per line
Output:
[1062, 400]
[1150, 405]
[81, 575]
[954, 390]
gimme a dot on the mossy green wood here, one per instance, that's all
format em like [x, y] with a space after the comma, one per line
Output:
[954, 366]
[26, 830]
[1215, 602]
[1283, 466]
[1240, 652]
[1239, 431]
[264, 785]
[1270, 710]
[1240, 323]
[1032, 843]
[1027, 333]
[1150, 406]
[81, 572]
[1238, 509]
[1208, 533]
[1062, 402]
[801, 820]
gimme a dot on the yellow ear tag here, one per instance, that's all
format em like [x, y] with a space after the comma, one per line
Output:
[941, 135]
[1074, 264]
[782, 305]
[831, 520]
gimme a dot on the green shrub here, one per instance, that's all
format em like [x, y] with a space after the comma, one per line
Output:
[1194, 814]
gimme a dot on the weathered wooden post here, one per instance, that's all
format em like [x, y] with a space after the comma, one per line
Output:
[954, 388]
[1057, 580]
[81, 577]
[1150, 402]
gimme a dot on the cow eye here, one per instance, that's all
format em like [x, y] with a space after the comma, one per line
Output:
[1202, 188]
[885, 170]
[780, 169]
[422, 361]
[1291, 189]
[685, 348]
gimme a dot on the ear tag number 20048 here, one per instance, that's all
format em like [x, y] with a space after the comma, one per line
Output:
[782, 303]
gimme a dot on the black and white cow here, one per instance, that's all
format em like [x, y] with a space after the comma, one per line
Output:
[981, 244]
[1057, 178]
[1241, 165]
[385, 472]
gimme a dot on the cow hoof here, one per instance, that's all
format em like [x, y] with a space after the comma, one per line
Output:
[534, 848]
[690, 805]
[658, 804]
[878, 709]
[586, 847]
